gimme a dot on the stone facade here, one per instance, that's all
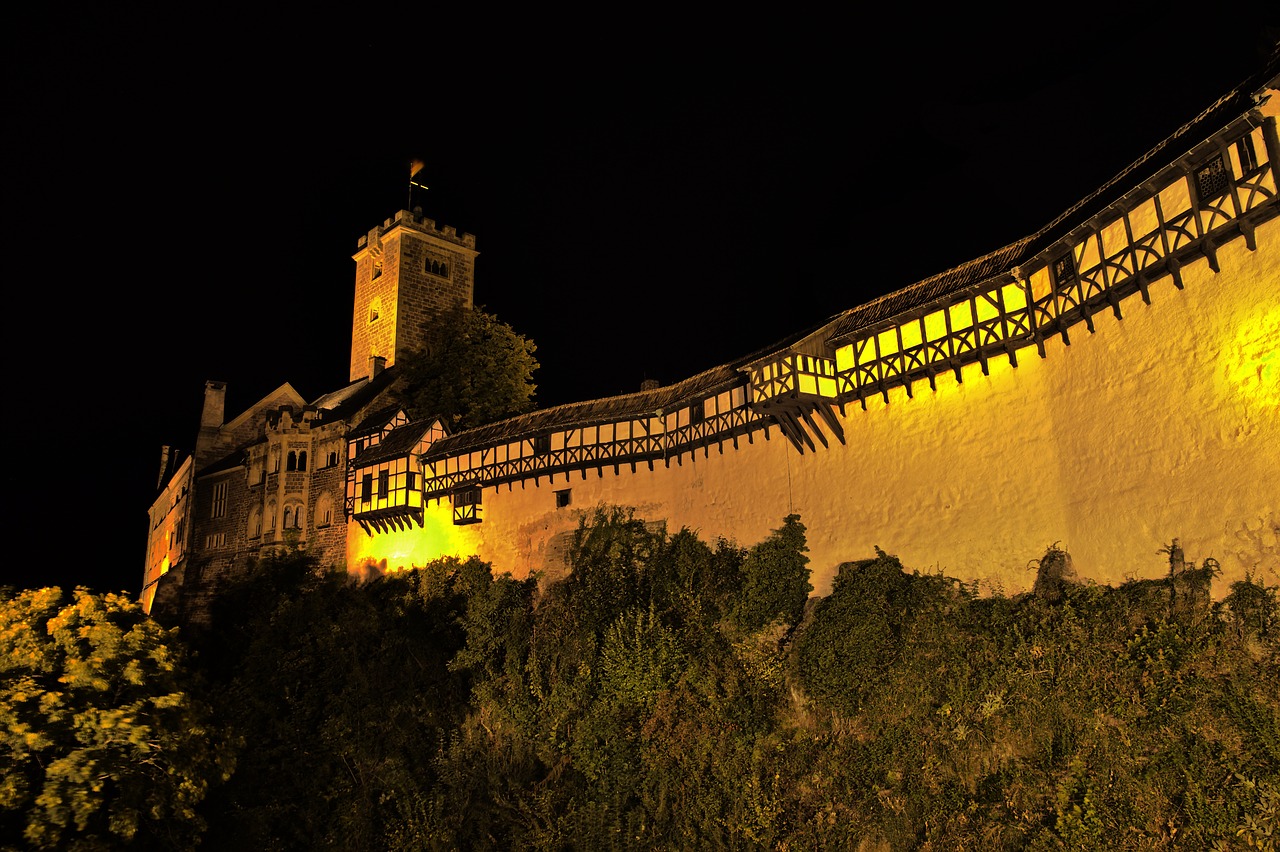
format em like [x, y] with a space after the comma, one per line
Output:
[1105, 386]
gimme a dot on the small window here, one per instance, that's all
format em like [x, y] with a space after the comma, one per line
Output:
[466, 506]
[1064, 271]
[324, 510]
[333, 459]
[1248, 156]
[291, 464]
[219, 500]
[384, 483]
[366, 488]
[288, 517]
[696, 413]
[410, 480]
[1211, 179]
[377, 269]
[541, 445]
[302, 460]
[375, 309]
[564, 498]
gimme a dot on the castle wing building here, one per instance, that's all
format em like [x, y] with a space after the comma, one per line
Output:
[1109, 383]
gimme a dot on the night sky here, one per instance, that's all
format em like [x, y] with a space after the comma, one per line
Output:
[650, 198]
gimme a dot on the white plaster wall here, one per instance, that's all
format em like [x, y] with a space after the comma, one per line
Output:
[1164, 424]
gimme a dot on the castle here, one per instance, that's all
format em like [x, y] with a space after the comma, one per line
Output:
[1107, 383]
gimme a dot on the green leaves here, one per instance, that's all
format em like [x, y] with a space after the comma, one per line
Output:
[471, 369]
[103, 738]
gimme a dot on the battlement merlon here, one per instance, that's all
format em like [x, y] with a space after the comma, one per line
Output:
[419, 224]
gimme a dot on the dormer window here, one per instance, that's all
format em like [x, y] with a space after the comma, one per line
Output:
[1247, 155]
[1064, 271]
[1211, 179]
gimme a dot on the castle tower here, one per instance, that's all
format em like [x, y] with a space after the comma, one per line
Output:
[408, 270]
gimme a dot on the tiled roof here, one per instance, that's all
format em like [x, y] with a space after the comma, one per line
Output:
[400, 442]
[884, 308]
[1235, 103]
[349, 404]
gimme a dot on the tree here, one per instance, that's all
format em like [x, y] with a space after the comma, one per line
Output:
[775, 579]
[103, 741]
[472, 369]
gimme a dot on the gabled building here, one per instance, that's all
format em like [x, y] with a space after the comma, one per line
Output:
[281, 473]
[1109, 383]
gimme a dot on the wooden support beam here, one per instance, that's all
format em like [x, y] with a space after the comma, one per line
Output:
[832, 423]
[816, 430]
[1011, 351]
[1175, 269]
[1143, 288]
[1247, 230]
[1088, 316]
[1210, 252]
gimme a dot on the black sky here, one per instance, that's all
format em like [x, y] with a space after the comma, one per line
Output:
[650, 198]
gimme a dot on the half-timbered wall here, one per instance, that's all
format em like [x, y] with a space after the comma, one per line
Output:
[1116, 392]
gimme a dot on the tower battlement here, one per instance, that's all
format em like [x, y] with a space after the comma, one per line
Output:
[418, 222]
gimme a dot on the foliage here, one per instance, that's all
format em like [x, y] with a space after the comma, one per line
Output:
[775, 583]
[104, 738]
[667, 693]
[471, 369]
[343, 694]
[856, 635]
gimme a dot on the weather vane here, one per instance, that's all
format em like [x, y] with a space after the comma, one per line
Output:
[415, 166]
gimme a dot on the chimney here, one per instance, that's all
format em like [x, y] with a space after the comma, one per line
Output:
[215, 405]
[211, 417]
[164, 465]
[376, 364]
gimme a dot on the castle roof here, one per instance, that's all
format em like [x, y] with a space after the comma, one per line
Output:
[1002, 261]
[399, 443]
[1005, 260]
[350, 400]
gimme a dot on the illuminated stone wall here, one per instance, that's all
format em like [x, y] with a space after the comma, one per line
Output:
[1163, 424]
[421, 270]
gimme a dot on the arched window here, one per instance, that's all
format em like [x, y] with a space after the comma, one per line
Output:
[324, 510]
[291, 464]
[271, 517]
[255, 522]
[333, 459]
[302, 460]
[288, 517]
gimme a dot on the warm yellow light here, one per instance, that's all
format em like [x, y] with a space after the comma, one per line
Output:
[411, 548]
[1251, 370]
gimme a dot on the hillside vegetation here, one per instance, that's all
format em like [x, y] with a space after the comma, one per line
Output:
[675, 694]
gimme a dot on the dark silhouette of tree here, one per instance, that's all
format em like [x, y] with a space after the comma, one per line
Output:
[472, 369]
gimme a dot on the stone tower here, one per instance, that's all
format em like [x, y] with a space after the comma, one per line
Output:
[407, 271]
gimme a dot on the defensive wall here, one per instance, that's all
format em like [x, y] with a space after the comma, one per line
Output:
[1107, 385]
